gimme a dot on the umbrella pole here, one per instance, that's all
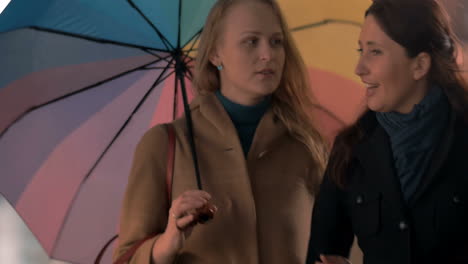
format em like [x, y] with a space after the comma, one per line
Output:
[180, 69]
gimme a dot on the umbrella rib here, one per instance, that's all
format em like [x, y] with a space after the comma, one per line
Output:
[174, 104]
[74, 93]
[196, 35]
[326, 22]
[188, 59]
[191, 50]
[194, 38]
[159, 79]
[161, 36]
[179, 24]
[157, 55]
[154, 68]
[140, 103]
[188, 74]
[94, 39]
[188, 56]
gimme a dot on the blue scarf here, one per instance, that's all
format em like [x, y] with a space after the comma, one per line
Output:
[414, 136]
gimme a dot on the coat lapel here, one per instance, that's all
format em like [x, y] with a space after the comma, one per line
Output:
[214, 112]
[375, 155]
[268, 131]
[270, 128]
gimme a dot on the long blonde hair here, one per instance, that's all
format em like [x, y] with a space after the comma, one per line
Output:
[292, 102]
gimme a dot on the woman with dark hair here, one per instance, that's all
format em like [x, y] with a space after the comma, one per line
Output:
[397, 178]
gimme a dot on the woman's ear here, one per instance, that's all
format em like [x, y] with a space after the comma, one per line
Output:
[215, 58]
[422, 65]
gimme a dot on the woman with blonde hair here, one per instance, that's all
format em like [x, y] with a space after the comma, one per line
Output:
[259, 155]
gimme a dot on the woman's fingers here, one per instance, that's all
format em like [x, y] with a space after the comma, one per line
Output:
[186, 221]
[196, 193]
[184, 208]
[324, 259]
[187, 199]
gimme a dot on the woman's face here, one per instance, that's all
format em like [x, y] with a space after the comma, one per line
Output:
[392, 79]
[251, 51]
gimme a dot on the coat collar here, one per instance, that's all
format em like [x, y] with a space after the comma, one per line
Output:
[268, 131]
[375, 154]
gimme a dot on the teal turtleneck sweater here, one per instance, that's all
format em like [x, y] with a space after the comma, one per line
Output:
[245, 118]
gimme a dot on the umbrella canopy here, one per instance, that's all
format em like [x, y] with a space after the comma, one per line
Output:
[84, 79]
[82, 82]
[326, 32]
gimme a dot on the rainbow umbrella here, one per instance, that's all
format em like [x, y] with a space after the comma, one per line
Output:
[82, 80]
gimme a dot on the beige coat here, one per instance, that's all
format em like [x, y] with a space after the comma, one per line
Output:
[264, 200]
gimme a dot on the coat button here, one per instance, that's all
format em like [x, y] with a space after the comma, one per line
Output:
[402, 225]
[359, 199]
[456, 200]
[261, 154]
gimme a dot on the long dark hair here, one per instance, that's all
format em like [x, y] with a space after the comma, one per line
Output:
[418, 26]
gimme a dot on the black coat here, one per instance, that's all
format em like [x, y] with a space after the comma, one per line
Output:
[431, 228]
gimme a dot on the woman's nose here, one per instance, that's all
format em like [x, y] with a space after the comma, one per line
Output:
[361, 68]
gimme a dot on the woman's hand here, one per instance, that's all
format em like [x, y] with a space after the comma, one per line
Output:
[333, 259]
[183, 216]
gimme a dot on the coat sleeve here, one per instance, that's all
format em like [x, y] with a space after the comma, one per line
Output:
[331, 231]
[145, 205]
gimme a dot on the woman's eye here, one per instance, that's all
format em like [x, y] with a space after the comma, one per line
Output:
[376, 52]
[373, 52]
[277, 42]
[252, 41]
